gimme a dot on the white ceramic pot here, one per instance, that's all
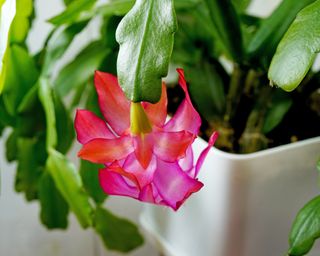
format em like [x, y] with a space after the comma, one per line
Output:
[246, 207]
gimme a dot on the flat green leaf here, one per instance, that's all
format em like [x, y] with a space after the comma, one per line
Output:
[306, 228]
[117, 233]
[81, 69]
[116, 7]
[29, 100]
[21, 23]
[58, 43]
[46, 98]
[280, 105]
[54, 209]
[272, 29]
[297, 49]
[145, 36]
[89, 174]
[7, 13]
[29, 169]
[69, 184]
[73, 12]
[241, 5]
[5, 118]
[21, 75]
[227, 25]
[11, 147]
[64, 126]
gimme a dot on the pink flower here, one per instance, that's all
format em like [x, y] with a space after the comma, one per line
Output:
[145, 157]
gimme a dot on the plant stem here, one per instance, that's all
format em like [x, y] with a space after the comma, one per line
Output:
[252, 138]
[234, 93]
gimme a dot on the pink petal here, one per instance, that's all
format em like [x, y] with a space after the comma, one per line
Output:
[204, 153]
[173, 184]
[113, 104]
[146, 194]
[113, 183]
[106, 150]
[89, 126]
[186, 117]
[157, 113]
[170, 146]
[186, 163]
[143, 176]
[143, 145]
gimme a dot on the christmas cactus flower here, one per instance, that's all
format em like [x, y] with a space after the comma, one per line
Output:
[145, 157]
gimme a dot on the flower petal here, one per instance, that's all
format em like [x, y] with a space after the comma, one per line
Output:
[157, 113]
[171, 146]
[143, 145]
[113, 104]
[144, 176]
[204, 153]
[186, 163]
[88, 126]
[186, 117]
[106, 150]
[113, 183]
[146, 194]
[173, 184]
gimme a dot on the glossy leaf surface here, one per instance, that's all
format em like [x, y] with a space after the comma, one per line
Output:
[297, 50]
[145, 36]
[69, 184]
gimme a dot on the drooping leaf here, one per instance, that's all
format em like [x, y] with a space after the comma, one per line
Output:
[64, 126]
[22, 21]
[272, 29]
[73, 12]
[21, 75]
[57, 44]
[29, 167]
[117, 233]
[69, 184]
[89, 174]
[46, 98]
[117, 7]
[226, 23]
[7, 13]
[81, 69]
[306, 228]
[241, 5]
[54, 209]
[11, 147]
[145, 36]
[280, 105]
[297, 49]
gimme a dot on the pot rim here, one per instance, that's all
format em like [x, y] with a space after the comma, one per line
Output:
[265, 152]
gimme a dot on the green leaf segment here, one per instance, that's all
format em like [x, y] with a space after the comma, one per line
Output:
[297, 50]
[145, 36]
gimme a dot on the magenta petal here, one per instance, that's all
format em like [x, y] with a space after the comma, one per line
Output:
[113, 183]
[173, 184]
[88, 126]
[146, 194]
[143, 176]
[171, 146]
[186, 163]
[113, 104]
[204, 153]
[186, 118]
